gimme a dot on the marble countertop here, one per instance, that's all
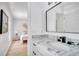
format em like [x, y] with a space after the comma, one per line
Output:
[49, 47]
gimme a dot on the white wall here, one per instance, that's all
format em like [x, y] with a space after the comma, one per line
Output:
[37, 12]
[19, 13]
[5, 38]
[36, 16]
[18, 26]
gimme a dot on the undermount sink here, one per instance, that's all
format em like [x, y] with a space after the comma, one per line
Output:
[59, 48]
[59, 45]
[55, 45]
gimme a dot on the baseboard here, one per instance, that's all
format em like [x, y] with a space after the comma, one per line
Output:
[5, 54]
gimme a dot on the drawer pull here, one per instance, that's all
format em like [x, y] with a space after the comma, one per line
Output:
[34, 53]
[34, 44]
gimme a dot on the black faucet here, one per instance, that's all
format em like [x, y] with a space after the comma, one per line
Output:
[63, 39]
[70, 43]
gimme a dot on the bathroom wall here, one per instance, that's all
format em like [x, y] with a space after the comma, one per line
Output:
[37, 13]
[36, 16]
[5, 38]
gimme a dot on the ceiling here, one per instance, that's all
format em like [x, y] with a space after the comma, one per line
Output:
[18, 9]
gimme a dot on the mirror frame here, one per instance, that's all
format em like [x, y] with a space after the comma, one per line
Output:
[2, 12]
[46, 17]
[56, 21]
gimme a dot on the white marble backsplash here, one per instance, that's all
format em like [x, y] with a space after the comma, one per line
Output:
[40, 36]
[54, 37]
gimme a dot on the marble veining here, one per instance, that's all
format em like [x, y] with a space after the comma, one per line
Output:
[51, 47]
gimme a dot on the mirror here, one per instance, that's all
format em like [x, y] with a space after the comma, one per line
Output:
[63, 17]
[51, 20]
[3, 22]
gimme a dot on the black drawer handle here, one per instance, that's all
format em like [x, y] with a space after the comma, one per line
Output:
[34, 44]
[34, 53]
